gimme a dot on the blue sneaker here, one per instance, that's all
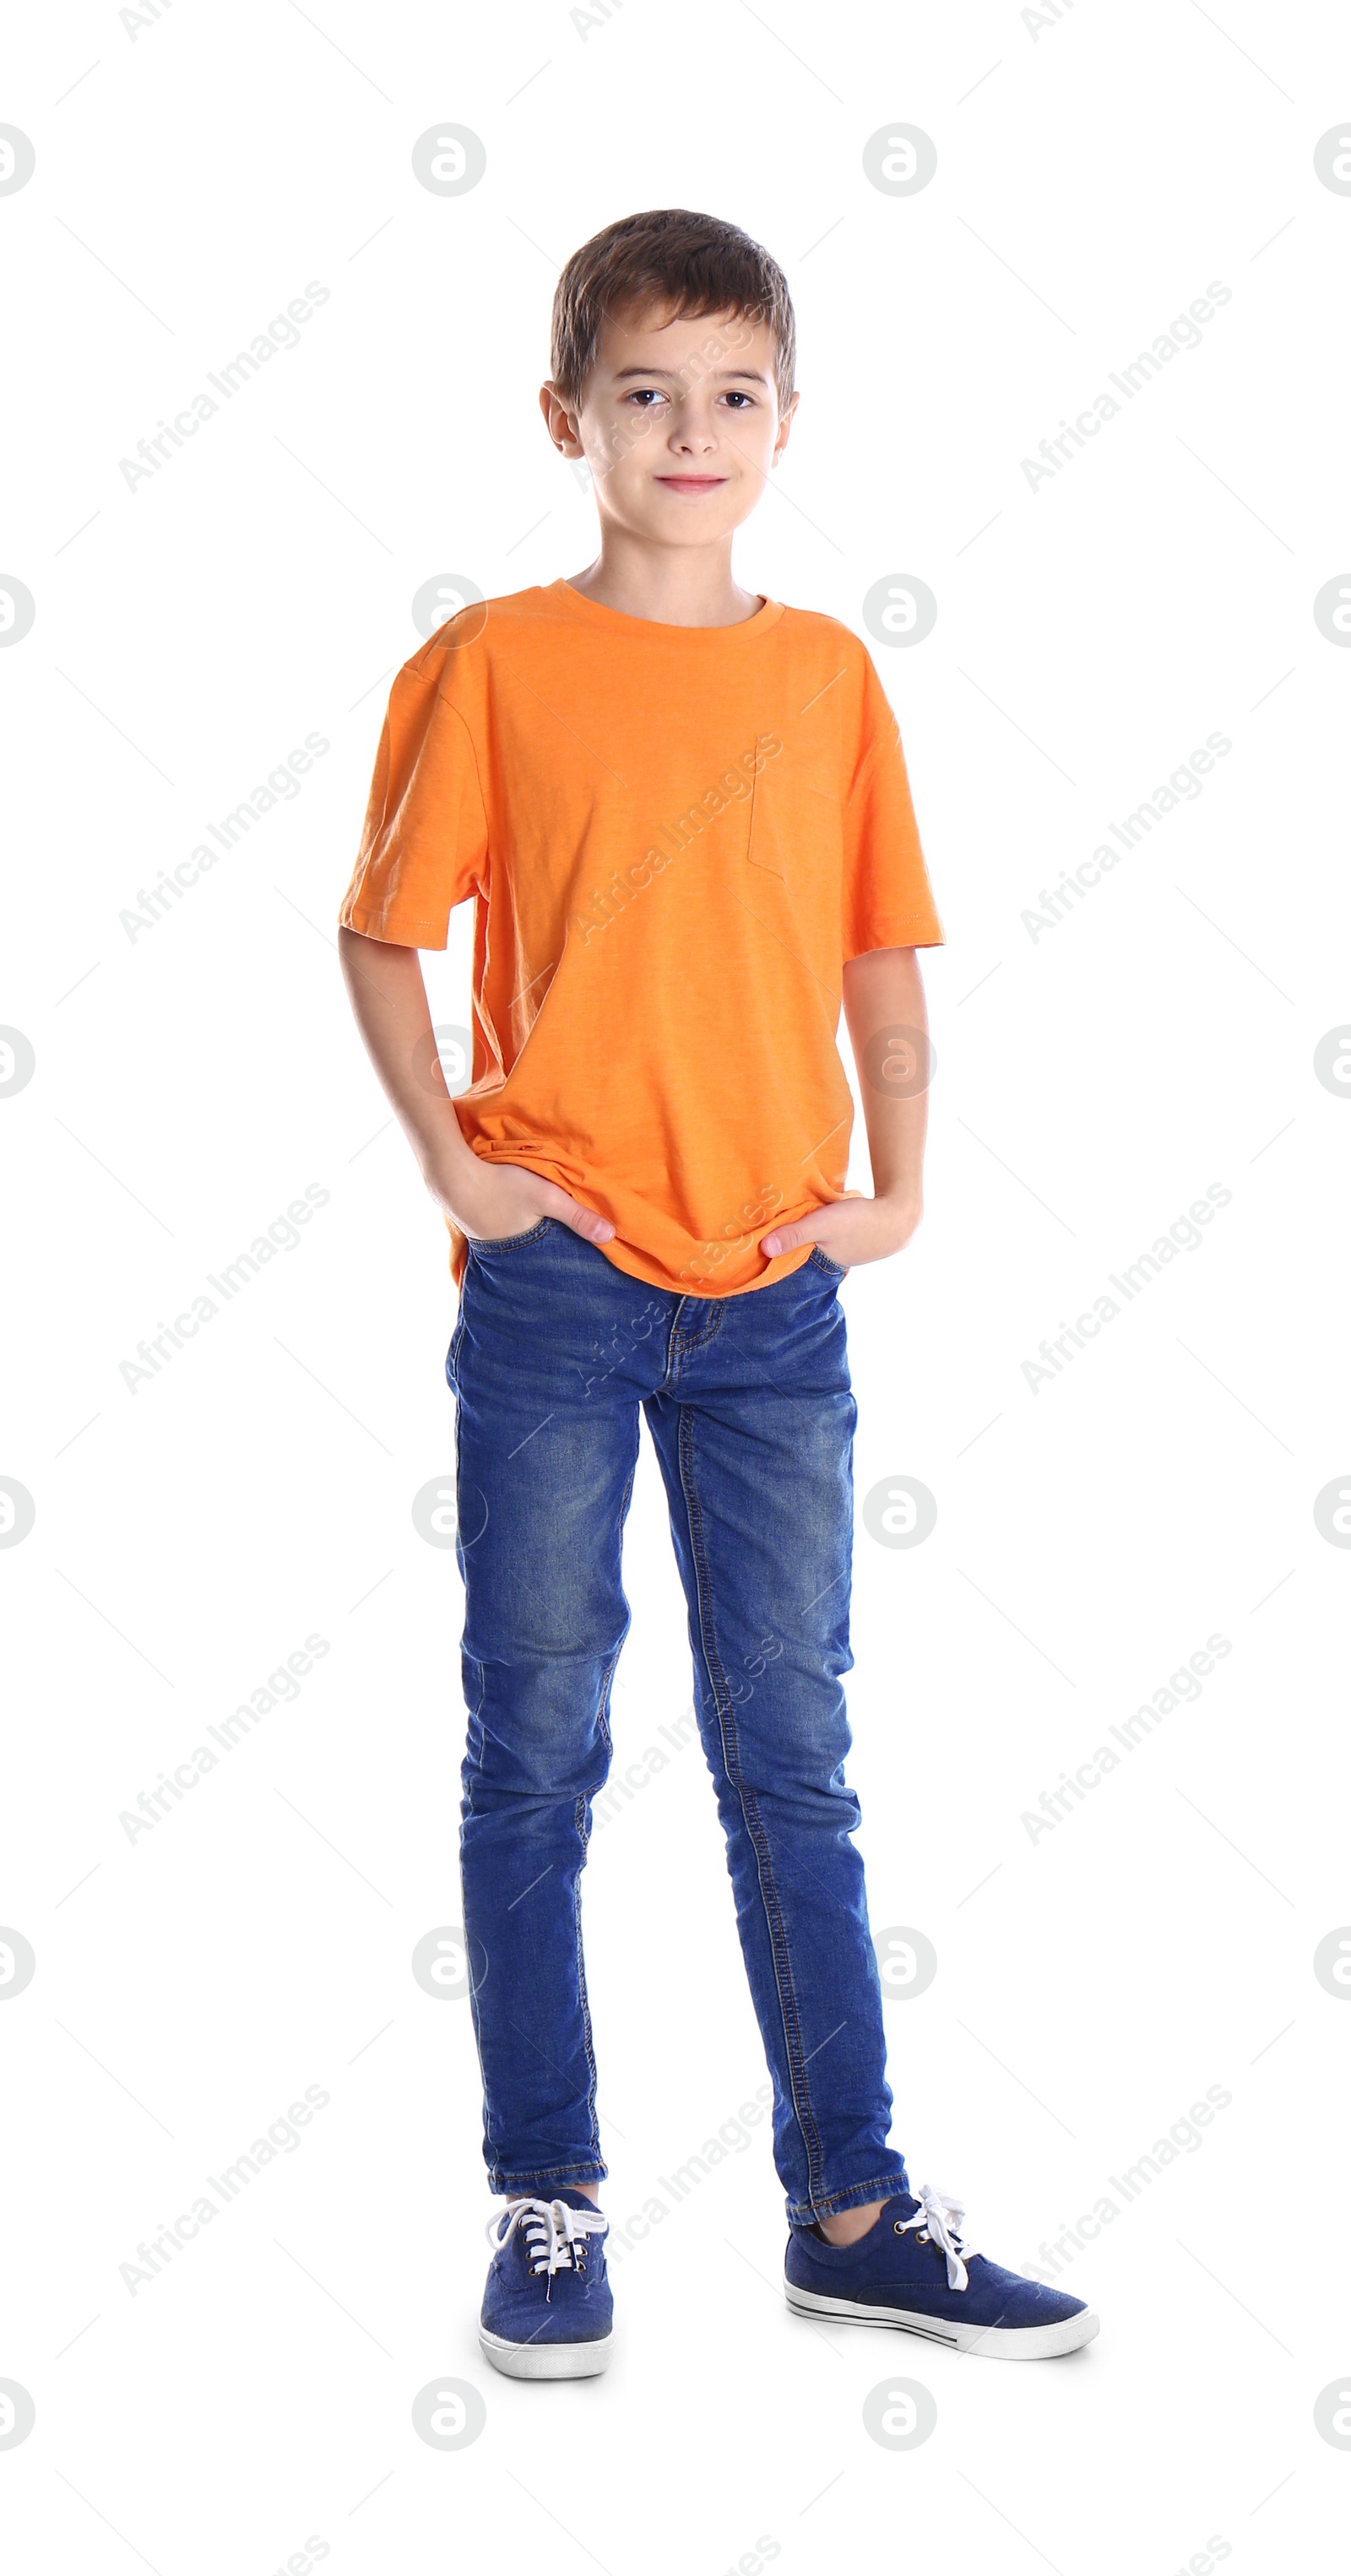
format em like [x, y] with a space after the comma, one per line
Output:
[547, 2309]
[916, 2269]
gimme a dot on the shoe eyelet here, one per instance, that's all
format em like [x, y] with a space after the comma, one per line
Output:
[923, 2236]
[896, 2227]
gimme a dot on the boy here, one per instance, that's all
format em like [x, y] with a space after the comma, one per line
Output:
[683, 814]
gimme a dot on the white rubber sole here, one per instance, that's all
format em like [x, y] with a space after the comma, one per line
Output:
[546, 2360]
[997, 2343]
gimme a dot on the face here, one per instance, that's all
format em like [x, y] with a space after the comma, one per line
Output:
[679, 422]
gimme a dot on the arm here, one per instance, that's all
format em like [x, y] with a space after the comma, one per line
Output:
[389, 1004]
[882, 991]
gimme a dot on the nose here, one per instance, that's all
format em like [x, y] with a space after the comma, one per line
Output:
[691, 434]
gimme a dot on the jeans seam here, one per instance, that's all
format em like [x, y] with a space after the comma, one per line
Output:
[506, 1242]
[680, 1341]
[584, 1838]
[468, 1772]
[582, 1997]
[778, 1943]
[498, 2181]
[857, 2195]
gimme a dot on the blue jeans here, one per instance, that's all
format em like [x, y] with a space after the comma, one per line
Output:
[748, 1402]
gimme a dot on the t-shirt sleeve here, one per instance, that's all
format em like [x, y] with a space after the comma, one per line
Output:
[887, 898]
[424, 844]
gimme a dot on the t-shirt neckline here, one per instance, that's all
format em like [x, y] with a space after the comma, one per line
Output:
[594, 611]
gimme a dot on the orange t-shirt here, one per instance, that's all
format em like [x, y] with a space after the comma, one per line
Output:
[675, 836]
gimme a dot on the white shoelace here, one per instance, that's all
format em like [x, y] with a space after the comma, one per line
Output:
[942, 2217]
[555, 2233]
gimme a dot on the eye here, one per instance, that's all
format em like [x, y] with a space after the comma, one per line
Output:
[645, 396]
[736, 396]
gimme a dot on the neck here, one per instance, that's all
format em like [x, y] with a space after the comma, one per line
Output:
[674, 586]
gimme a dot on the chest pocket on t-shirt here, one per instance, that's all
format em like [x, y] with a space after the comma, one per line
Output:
[795, 810]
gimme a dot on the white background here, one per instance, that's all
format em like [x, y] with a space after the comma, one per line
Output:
[193, 173]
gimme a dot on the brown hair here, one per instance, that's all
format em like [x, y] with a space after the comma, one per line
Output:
[694, 263]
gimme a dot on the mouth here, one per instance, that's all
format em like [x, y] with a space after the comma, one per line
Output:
[691, 482]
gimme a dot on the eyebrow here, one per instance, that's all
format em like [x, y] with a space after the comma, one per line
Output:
[744, 375]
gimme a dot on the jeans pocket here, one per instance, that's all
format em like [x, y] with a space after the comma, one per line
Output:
[496, 1243]
[832, 1269]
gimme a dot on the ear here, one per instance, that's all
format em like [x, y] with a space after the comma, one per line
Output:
[560, 421]
[785, 424]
